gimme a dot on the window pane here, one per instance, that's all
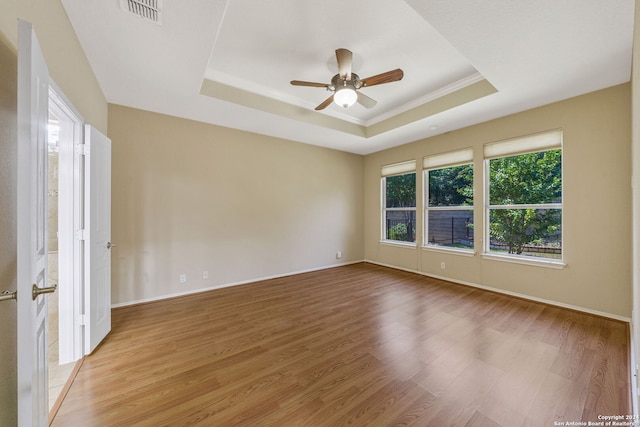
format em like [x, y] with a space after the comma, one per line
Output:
[526, 179]
[451, 186]
[531, 232]
[401, 191]
[451, 228]
[401, 225]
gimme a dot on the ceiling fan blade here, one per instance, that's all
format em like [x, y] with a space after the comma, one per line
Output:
[312, 84]
[388, 77]
[365, 101]
[344, 57]
[325, 103]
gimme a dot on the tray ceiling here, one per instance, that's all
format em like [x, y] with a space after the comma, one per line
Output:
[229, 63]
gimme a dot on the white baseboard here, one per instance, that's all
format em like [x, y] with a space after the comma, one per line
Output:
[226, 285]
[448, 279]
[513, 294]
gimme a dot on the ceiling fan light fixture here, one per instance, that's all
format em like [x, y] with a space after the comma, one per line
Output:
[345, 97]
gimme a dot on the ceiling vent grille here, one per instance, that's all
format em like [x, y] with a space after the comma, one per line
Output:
[150, 10]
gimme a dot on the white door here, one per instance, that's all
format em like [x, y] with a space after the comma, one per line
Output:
[33, 112]
[98, 237]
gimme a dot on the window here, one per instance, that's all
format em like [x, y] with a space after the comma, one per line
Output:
[524, 198]
[399, 202]
[449, 200]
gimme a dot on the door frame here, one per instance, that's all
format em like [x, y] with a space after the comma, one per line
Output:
[70, 220]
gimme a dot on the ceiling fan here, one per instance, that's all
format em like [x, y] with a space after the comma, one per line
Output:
[346, 84]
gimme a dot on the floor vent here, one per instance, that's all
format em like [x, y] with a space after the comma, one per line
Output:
[150, 10]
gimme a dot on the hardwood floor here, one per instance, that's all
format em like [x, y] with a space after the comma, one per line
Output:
[357, 345]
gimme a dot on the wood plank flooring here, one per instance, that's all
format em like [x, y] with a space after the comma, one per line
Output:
[357, 345]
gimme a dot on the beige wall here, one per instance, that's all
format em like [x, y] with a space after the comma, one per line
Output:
[69, 68]
[8, 184]
[190, 197]
[597, 205]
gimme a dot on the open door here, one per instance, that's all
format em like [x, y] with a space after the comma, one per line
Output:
[98, 238]
[33, 113]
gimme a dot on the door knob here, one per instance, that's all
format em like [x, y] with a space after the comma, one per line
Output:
[7, 295]
[35, 290]
[110, 245]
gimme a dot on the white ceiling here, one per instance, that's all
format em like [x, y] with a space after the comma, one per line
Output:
[229, 63]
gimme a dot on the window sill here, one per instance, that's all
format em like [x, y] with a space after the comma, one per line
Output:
[398, 243]
[456, 251]
[556, 264]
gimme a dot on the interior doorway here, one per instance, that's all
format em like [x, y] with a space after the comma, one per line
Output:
[64, 248]
[58, 373]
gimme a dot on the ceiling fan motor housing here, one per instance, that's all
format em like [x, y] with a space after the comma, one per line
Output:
[337, 82]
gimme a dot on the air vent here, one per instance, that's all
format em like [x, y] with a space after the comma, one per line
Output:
[149, 10]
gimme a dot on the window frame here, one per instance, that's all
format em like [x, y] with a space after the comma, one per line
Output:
[536, 143]
[462, 157]
[396, 169]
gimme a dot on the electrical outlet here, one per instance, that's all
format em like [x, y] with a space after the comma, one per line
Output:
[205, 274]
[183, 278]
[442, 265]
[338, 254]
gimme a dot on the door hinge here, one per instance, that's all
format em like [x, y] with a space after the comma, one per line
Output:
[82, 149]
[82, 319]
[80, 235]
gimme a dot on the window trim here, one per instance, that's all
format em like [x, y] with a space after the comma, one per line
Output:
[526, 260]
[535, 143]
[444, 249]
[396, 169]
[445, 160]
